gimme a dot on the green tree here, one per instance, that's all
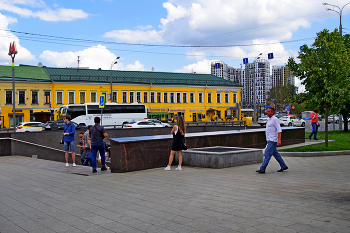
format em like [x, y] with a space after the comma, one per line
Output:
[324, 70]
[279, 96]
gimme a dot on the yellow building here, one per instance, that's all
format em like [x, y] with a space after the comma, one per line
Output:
[32, 95]
[198, 97]
[40, 92]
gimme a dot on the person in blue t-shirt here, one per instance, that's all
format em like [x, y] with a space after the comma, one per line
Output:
[68, 139]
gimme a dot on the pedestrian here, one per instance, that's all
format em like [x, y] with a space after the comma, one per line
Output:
[81, 143]
[86, 144]
[314, 124]
[97, 133]
[68, 139]
[178, 133]
[273, 138]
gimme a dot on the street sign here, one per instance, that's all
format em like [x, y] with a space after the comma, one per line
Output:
[270, 56]
[102, 101]
[293, 107]
[301, 49]
[245, 60]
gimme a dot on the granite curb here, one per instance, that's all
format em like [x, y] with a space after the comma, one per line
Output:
[314, 154]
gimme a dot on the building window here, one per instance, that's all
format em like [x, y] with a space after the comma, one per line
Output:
[184, 97]
[172, 98]
[59, 97]
[226, 98]
[35, 97]
[70, 97]
[8, 97]
[209, 98]
[145, 97]
[159, 97]
[192, 98]
[125, 100]
[82, 99]
[138, 97]
[93, 98]
[152, 97]
[166, 97]
[105, 94]
[21, 97]
[178, 97]
[218, 98]
[234, 98]
[200, 97]
[115, 97]
[199, 116]
[131, 97]
[47, 97]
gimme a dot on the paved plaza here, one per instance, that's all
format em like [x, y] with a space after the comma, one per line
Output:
[45, 196]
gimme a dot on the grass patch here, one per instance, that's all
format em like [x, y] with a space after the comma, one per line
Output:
[342, 140]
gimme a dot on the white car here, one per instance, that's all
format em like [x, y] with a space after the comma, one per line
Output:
[263, 120]
[333, 118]
[141, 124]
[157, 122]
[291, 121]
[30, 127]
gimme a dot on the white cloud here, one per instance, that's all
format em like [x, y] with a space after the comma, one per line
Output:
[135, 67]
[201, 67]
[174, 13]
[7, 37]
[301, 87]
[144, 28]
[45, 13]
[94, 57]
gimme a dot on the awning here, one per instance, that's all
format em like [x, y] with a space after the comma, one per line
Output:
[38, 113]
[157, 113]
[41, 111]
[211, 110]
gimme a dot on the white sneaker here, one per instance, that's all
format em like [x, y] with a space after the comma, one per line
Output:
[167, 168]
[74, 165]
[67, 165]
[178, 168]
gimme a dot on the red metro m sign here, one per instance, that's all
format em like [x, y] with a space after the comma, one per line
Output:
[13, 49]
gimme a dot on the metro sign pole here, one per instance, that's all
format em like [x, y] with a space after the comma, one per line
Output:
[12, 53]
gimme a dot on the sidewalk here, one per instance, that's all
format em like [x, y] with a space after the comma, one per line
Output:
[44, 196]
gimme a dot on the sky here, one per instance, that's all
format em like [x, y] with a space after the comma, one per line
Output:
[167, 36]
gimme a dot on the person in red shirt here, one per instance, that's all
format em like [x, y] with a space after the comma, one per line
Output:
[314, 123]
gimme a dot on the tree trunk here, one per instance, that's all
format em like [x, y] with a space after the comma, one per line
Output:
[345, 118]
[326, 127]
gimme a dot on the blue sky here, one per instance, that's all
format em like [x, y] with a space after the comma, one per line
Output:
[274, 24]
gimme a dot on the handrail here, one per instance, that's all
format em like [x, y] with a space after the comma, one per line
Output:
[34, 144]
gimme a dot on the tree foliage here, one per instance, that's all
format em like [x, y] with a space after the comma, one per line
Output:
[280, 96]
[324, 70]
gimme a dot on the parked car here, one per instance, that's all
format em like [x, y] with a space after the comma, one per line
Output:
[263, 120]
[291, 121]
[59, 125]
[157, 122]
[141, 124]
[29, 127]
[333, 118]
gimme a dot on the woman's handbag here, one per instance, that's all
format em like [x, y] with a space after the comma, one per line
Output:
[318, 125]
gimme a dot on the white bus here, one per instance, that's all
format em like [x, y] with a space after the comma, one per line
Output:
[113, 113]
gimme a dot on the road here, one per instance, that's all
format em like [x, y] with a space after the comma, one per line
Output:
[322, 126]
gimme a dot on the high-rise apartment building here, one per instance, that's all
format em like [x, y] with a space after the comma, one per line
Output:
[281, 76]
[258, 71]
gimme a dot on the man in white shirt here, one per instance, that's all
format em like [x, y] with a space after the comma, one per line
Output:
[273, 138]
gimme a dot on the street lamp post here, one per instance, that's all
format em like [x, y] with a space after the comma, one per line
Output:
[12, 53]
[113, 63]
[254, 94]
[340, 12]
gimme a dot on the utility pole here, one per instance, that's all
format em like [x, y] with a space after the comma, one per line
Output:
[12, 53]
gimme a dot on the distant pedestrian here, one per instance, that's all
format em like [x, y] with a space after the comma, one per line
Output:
[273, 138]
[68, 139]
[314, 124]
[97, 133]
[86, 144]
[178, 133]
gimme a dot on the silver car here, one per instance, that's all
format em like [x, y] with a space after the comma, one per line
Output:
[263, 120]
[158, 122]
[333, 118]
